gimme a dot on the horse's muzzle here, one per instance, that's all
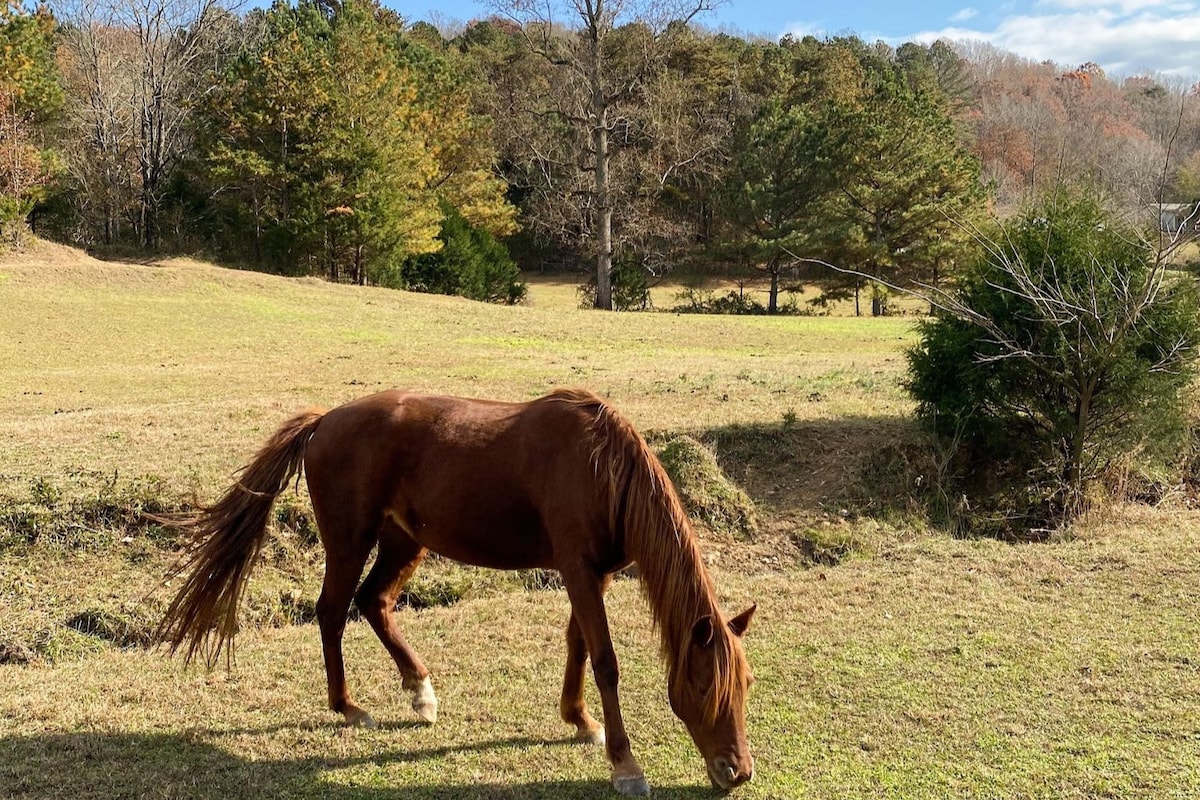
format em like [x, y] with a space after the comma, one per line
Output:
[725, 774]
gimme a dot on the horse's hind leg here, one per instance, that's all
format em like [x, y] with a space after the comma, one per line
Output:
[399, 556]
[572, 706]
[344, 562]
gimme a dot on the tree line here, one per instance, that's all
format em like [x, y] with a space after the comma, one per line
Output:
[333, 137]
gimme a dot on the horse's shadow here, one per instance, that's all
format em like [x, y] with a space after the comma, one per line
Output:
[189, 765]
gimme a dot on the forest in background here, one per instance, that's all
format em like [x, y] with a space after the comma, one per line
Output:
[339, 139]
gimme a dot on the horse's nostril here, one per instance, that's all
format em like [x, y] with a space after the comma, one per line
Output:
[725, 773]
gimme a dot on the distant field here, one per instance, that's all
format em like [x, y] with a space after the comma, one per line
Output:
[918, 667]
[179, 368]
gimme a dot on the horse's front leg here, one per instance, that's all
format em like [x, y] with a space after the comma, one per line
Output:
[587, 609]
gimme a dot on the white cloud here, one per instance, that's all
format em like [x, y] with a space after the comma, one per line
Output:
[1120, 42]
[802, 29]
[820, 31]
[1124, 7]
[964, 15]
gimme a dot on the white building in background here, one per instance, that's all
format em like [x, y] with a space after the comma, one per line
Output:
[1179, 217]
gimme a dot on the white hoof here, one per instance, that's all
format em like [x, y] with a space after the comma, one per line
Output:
[632, 785]
[425, 702]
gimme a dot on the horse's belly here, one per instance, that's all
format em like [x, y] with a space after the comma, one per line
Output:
[507, 542]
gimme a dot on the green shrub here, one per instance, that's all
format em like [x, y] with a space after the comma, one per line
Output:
[630, 287]
[702, 301]
[471, 263]
[1062, 351]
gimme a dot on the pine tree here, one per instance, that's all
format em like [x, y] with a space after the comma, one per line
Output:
[778, 186]
[339, 140]
[908, 191]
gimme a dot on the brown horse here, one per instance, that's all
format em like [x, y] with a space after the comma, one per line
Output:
[560, 482]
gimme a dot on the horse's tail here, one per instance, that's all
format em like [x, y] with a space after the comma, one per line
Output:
[226, 538]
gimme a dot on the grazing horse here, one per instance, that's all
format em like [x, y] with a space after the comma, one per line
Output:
[561, 482]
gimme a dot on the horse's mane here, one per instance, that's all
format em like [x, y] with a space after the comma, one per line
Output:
[645, 507]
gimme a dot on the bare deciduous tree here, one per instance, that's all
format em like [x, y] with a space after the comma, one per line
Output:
[602, 56]
[134, 67]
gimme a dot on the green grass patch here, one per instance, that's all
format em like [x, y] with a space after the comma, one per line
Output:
[84, 509]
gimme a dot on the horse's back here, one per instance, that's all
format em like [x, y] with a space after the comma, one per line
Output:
[480, 481]
[404, 429]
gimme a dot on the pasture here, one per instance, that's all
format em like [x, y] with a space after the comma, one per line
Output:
[913, 665]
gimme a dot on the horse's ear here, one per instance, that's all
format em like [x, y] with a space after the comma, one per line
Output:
[702, 631]
[741, 622]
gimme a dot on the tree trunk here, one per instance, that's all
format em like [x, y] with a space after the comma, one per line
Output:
[773, 297]
[258, 232]
[1073, 475]
[604, 298]
[335, 273]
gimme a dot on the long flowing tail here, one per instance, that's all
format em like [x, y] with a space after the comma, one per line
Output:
[226, 538]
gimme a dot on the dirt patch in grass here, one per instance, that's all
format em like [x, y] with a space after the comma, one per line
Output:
[122, 626]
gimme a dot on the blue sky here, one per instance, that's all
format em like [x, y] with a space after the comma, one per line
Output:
[1126, 37]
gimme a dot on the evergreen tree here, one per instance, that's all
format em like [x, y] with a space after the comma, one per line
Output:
[29, 98]
[337, 141]
[372, 192]
[1066, 346]
[255, 129]
[778, 186]
[908, 191]
[470, 263]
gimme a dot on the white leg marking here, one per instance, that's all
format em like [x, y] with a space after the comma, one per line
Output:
[425, 702]
[632, 785]
[590, 735]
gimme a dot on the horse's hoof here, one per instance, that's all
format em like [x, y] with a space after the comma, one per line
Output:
[427, 711]
[593, 736]
[425, 701]
[361, 719]
[632, 785]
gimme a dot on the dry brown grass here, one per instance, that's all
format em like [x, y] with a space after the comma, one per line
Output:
[180, 368]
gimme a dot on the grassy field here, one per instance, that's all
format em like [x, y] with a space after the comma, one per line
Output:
[919, 666]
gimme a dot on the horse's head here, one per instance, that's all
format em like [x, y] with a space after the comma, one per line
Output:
[707, 688]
